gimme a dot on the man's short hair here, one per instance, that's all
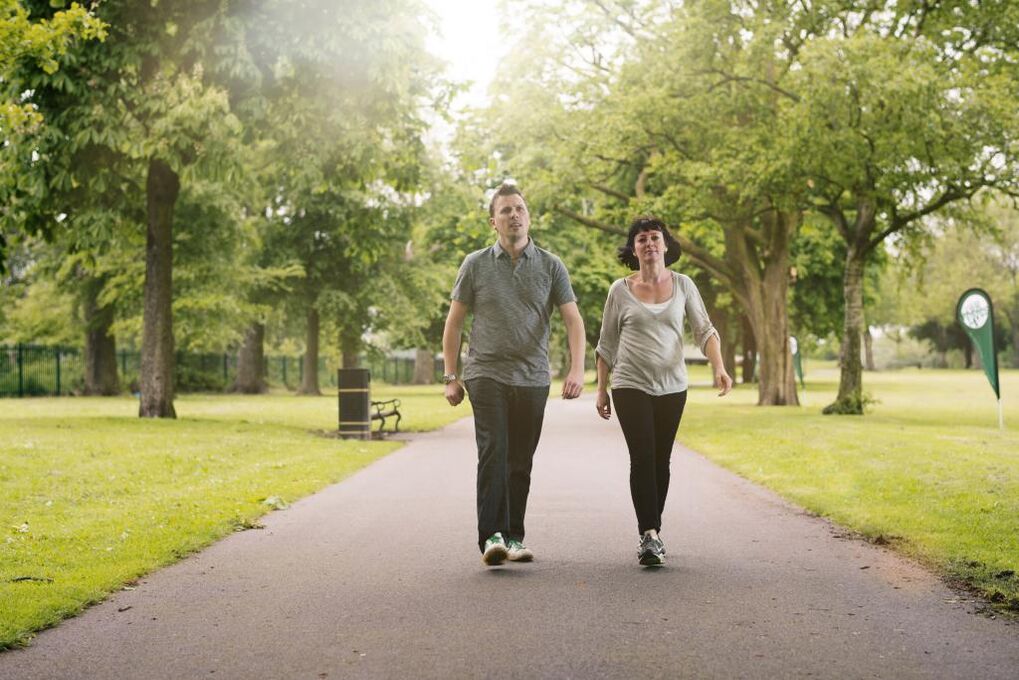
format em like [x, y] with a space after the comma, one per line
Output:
[504, 189]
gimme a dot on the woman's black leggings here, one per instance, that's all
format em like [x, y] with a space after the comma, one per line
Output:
[649, 425]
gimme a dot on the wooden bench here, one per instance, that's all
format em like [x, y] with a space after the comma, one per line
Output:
[386, 409]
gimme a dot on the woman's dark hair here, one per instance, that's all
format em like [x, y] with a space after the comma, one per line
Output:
[642, 224]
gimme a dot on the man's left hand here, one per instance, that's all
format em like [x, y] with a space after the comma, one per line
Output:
[574, 385]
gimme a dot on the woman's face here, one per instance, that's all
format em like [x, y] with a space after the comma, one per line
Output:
[649, 246]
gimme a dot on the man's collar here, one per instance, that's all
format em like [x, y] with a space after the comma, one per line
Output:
[528, 250]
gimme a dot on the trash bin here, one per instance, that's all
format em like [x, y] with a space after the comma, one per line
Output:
[355, 417]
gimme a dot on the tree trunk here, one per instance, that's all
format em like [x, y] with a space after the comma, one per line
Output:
[309, 367]
[100, 345]
[350, 347]
[251, 362]
[850, 396]
[1014, 323]
[764, 294]
[727, 345]
[777, 386]
[157, 364]
[728, 349]
[749, 350]
[424, 367]
[721, 320]
[868, 348]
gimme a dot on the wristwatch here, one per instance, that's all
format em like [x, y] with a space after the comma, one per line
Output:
[448, 378]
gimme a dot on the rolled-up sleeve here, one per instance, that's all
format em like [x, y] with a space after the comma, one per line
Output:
[608, 339]
[698, 316]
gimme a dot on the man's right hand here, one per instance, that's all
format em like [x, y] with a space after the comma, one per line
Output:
[454, 393]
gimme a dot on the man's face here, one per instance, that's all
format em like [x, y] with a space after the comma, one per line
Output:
[511, 219]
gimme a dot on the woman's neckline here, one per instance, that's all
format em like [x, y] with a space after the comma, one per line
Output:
[627, 281]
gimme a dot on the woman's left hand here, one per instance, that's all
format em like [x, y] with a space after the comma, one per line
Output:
[603, 404]
[723, 382]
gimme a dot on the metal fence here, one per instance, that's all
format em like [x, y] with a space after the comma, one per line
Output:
[33, 370]
[28, 370]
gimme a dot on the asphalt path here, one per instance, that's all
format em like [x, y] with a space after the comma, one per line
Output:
[379, 577]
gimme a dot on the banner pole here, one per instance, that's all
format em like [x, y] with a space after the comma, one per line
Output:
[1001, 419]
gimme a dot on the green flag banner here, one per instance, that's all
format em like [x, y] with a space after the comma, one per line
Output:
[976, 314]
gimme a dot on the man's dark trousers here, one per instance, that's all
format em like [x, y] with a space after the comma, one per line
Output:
[507, 424]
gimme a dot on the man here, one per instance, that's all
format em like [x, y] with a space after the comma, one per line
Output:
[511, 288]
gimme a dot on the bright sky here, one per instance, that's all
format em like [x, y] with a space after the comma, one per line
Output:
[470, 43]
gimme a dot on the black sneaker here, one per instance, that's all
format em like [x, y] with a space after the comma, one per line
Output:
[651, 552]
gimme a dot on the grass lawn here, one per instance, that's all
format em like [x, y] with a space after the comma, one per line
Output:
[927, 469]
[94, 497]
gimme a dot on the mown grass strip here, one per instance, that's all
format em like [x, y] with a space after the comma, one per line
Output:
[94, 497]
[926, 469]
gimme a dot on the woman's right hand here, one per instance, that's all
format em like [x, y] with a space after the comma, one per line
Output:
[603, 404]
[723, 382]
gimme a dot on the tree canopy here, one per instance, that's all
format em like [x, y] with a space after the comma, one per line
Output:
[200, 175]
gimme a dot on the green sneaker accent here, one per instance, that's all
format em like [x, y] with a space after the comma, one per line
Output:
[495, 550]
[518, 552]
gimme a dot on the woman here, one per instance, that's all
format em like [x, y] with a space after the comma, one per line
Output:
[641, 344]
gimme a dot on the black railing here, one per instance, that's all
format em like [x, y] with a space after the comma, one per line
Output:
[34, 370]
[29, 370]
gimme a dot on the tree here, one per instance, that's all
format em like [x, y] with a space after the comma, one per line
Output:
[38, 195]
[35, 309]
[719, 159]
[942, 338]
[897, 127]
[345, 152]
[43, 42]
[165, 126]
[816, 301]
[412, 311]
[40, 42]
[140, 102]
[703, 148]
[971, 250]
[1003, 253]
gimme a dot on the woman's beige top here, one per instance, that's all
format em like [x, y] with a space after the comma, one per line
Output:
[644, 348]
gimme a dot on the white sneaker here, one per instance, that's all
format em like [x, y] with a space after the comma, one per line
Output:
[495, 550]
[518, 552]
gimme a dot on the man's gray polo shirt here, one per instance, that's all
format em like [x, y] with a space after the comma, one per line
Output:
[512, 307]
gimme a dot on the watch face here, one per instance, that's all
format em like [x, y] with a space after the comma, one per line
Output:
[974, 311]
